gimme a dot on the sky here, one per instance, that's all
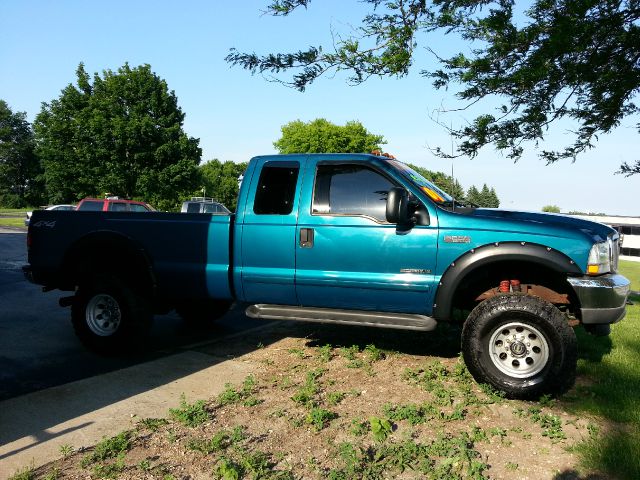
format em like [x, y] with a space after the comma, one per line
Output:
[237, 116]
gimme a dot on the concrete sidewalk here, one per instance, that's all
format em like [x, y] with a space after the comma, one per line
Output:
[33, 427]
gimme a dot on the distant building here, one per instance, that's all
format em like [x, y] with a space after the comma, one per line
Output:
[628, 227]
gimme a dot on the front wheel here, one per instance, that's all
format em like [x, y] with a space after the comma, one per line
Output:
[108, 316]
[521, 345]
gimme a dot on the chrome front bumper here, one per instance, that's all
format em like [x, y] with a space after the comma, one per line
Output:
[602, 299]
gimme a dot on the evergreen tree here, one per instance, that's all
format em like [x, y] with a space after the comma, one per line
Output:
[473, 196]
[493, 202]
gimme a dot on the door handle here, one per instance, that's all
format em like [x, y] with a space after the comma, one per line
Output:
[306, 237]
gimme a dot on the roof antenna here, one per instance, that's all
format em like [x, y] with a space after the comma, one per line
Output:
[453, 203]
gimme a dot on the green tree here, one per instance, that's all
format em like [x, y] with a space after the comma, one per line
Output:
[493, 201]
[322, 136]
[19, 166]
[473, 195]
[564, 59]
[119, 133]
[220, 181]
[551, 209]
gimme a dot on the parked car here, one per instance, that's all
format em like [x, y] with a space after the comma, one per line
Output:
[347, 239]
[50, 207]
[113, 204]
[204, 205]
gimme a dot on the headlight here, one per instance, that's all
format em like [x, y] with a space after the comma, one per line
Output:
[599, 259]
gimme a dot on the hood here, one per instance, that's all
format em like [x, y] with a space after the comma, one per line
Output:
[598, 231]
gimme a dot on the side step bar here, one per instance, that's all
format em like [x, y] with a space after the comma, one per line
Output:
[402, 321]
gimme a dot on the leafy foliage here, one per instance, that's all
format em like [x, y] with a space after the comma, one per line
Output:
[381, 428]
[322, 136]
[567, 59]
[19, 166]
[551, 209]
[220, 181]
[120, 134]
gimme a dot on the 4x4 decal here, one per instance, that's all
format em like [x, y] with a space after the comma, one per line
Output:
[44, 223]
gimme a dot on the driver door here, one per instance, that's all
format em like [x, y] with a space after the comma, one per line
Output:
[348, 255]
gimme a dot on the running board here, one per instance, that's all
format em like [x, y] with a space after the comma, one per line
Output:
[402, 321]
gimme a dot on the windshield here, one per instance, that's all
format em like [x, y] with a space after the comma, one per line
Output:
[436, 194]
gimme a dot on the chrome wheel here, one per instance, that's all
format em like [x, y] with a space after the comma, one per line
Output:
[103, 315]
[518, 350]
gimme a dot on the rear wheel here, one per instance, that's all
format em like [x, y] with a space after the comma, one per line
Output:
[521, 345]
[108, 316]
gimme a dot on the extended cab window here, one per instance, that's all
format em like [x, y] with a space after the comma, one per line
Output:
[276, 188]
[350, 190]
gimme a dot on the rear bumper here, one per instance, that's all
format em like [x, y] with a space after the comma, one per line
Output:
[39, 277]
[602, 299]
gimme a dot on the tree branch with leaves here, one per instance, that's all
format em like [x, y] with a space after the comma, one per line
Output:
[572, 60]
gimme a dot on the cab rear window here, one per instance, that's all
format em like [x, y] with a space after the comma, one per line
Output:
[91, 206]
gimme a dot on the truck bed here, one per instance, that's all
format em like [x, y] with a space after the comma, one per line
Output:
[187, 254]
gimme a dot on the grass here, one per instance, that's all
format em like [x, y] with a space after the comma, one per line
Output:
[11, 222]
[15, 211]
[631, 270]
[610, 370]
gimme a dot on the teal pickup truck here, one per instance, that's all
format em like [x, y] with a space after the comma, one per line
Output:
[346, 239]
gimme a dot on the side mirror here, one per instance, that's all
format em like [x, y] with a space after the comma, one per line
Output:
[393, 204]
[397, 206]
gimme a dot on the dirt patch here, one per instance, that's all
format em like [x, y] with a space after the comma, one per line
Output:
[352, 404]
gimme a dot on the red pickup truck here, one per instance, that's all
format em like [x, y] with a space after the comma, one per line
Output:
[113, 204]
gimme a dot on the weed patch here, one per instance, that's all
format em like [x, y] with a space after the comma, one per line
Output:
[27, 473]
[446, 457]
[152, 424]
[319, 418]
[109, 448]
[219, 442]
[190, 414]
[245, 393]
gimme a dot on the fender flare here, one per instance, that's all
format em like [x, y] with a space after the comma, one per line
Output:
[91, 241]
[491, 253]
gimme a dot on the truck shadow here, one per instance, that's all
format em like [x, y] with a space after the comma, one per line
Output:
[444, 341]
